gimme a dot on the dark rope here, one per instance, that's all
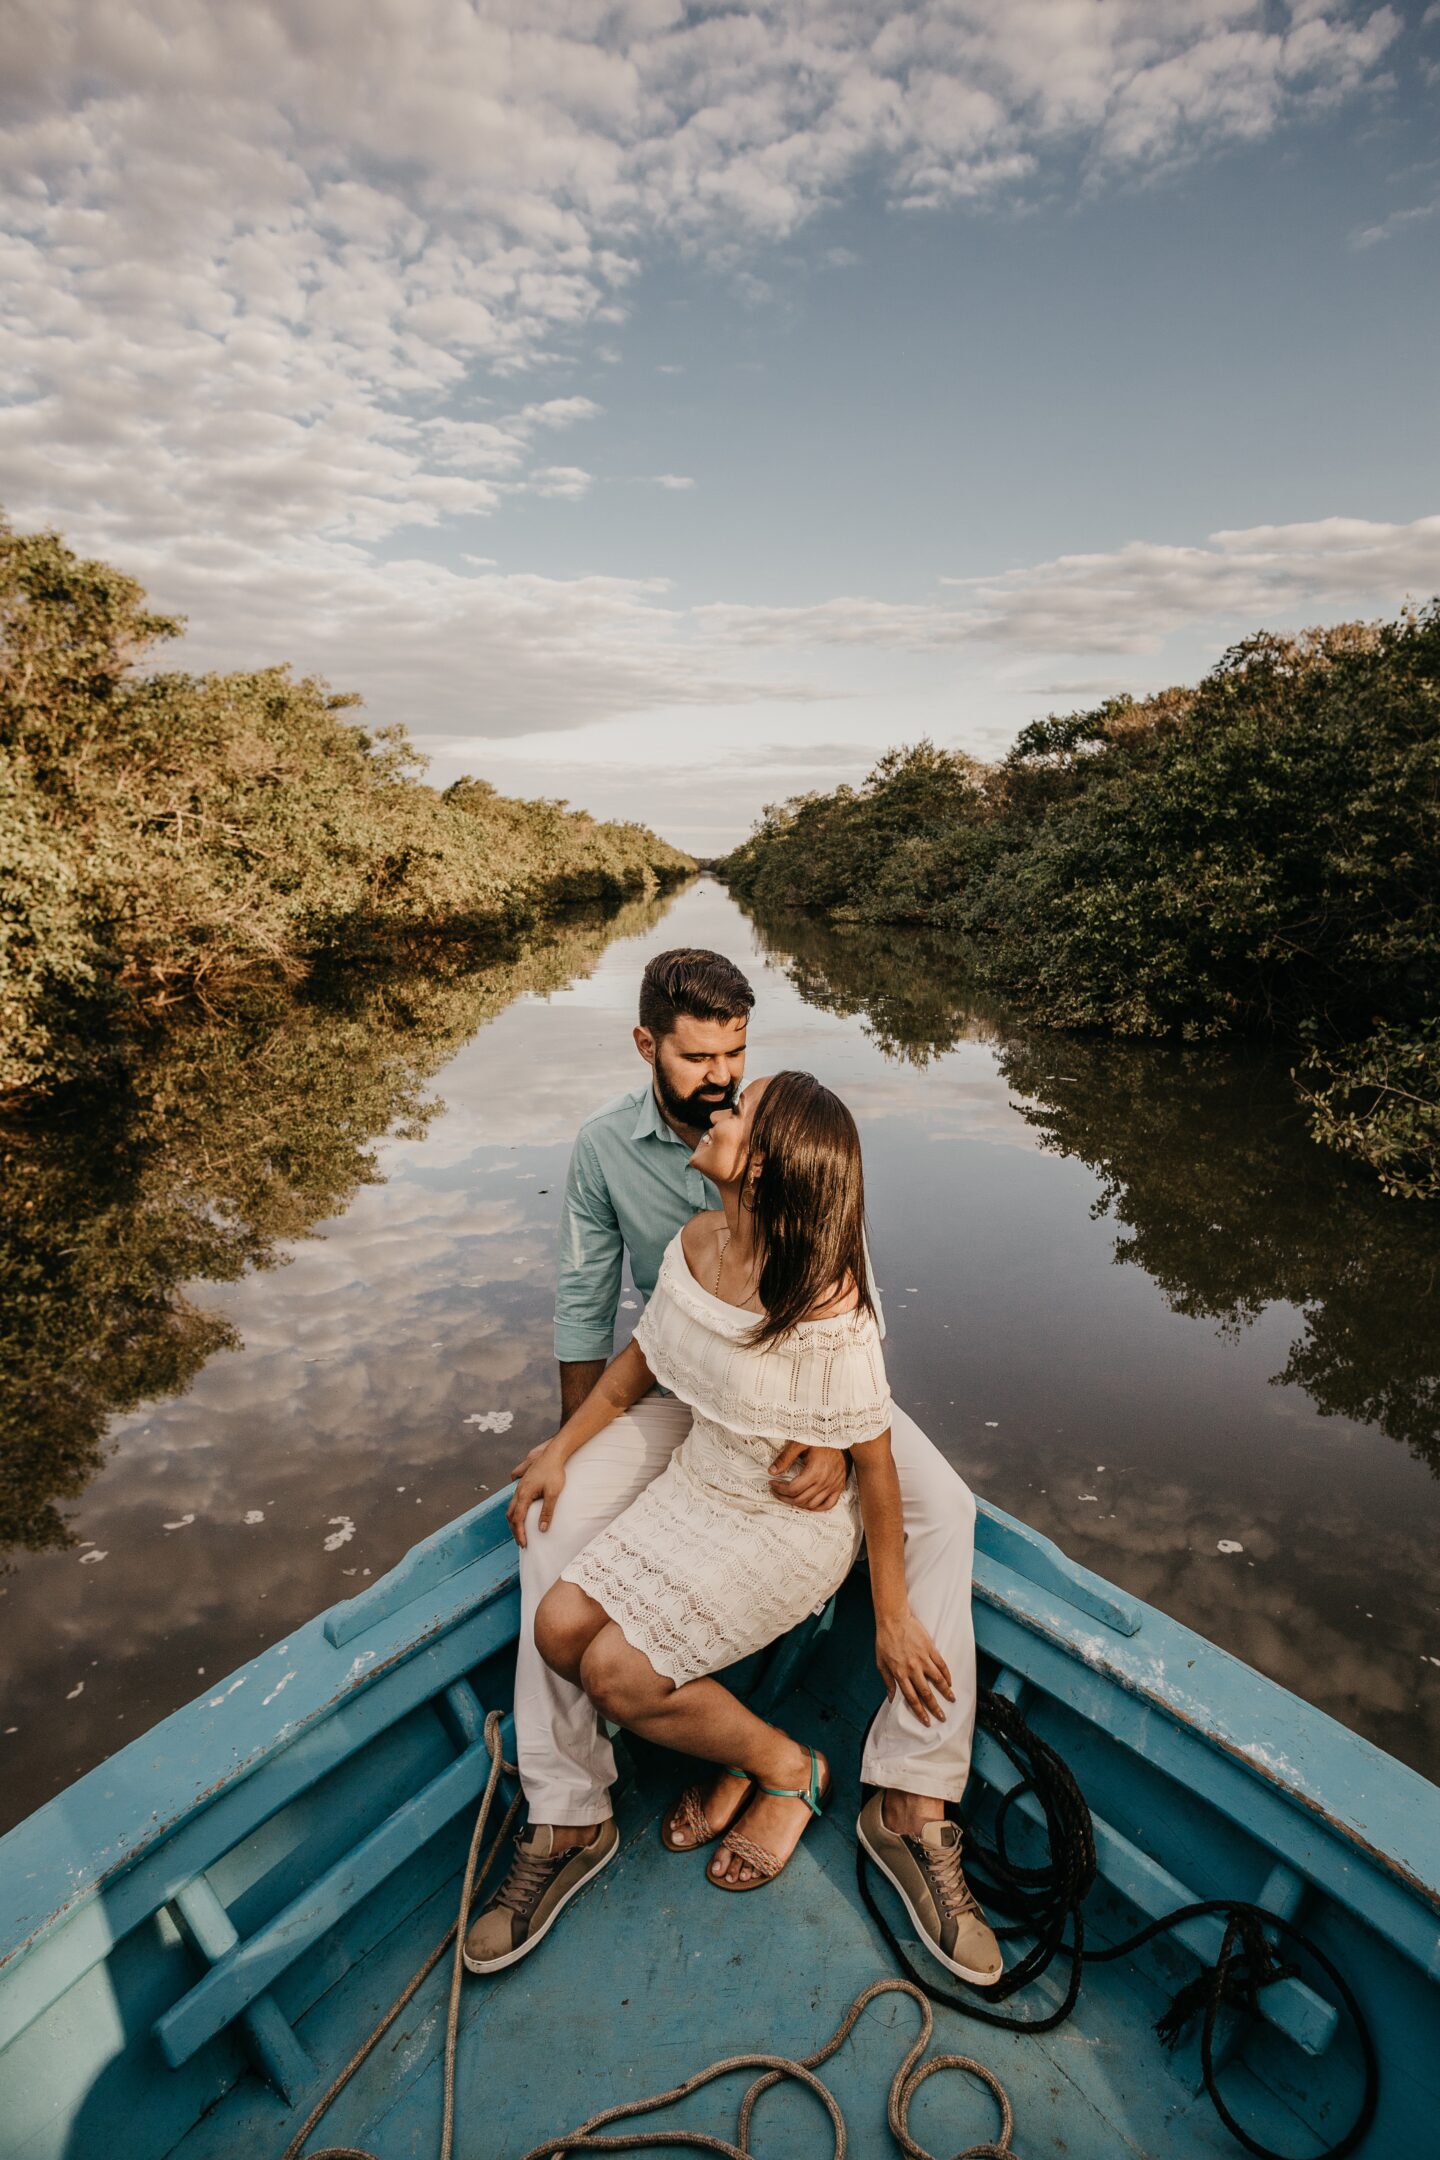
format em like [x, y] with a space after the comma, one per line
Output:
[1042, 1901]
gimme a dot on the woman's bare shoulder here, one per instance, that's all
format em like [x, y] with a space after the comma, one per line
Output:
[701, 1231]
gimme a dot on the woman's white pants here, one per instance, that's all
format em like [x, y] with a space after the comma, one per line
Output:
[567, 1765]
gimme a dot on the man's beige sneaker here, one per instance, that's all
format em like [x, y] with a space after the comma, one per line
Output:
[926, 1872]
[539, 1886]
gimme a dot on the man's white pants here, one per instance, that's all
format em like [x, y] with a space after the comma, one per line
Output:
[566, 1763]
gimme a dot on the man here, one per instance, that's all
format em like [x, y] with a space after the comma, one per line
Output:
[630, 1188]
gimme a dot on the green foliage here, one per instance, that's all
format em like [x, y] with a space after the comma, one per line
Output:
[162, 835]
[1380, 1100]
[882, 852]
[1258, 854]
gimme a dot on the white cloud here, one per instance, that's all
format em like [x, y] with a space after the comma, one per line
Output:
[910, 625]
[479, 655]
[675, 481]
[267, 272]
[1131, 601]
[702, 785]
[245, 242]
[474, 652]
[1127, 601]
[567, 481]
[1371, 235]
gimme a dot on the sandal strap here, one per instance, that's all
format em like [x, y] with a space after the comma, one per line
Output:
[688, 1814]
[809, 1794]
[753, 1855]
[690, 1817]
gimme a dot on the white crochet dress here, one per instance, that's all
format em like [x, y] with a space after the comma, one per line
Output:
[707, 1565]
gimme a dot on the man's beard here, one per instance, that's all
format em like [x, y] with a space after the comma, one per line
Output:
[695, 1111]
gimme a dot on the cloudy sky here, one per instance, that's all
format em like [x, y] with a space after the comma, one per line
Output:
[671, 406]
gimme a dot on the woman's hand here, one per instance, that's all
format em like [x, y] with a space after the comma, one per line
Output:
[542, 1478]
[909, 1660]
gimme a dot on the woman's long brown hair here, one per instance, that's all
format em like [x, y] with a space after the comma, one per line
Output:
[807, 1194]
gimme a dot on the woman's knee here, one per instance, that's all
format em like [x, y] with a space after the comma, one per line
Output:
[563, 1628]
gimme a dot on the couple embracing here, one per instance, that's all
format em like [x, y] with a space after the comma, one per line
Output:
[710, 1487]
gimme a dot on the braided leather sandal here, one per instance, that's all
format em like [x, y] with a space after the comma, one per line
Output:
[688, 1814]
[763, 1864]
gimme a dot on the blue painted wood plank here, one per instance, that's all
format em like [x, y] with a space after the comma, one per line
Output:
[277, 2053]
[689, 1975]
[1290, 2006]
[105, 1908]
[1036, 1559]
[1244, 1764]
[463, 1713]
[1176, 1699]
[425, 1569]
[247, 1969]
[165, 1779]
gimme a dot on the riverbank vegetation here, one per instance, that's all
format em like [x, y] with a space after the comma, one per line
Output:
[1257, 855]
[165, 836]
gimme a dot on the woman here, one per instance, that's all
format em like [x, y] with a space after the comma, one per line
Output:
[762, 1323]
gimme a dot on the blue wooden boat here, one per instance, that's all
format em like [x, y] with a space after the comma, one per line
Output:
[197, 1935]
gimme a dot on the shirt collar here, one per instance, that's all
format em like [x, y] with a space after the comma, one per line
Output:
[649, 1124]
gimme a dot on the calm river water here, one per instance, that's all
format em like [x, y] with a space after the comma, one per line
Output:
[1124, 1295]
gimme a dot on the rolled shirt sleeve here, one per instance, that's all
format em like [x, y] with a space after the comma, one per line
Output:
[587, 1291]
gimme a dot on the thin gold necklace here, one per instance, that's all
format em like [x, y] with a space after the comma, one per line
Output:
[720, 1265]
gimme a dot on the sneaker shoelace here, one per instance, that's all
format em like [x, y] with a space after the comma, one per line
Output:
[955, 1893]
[529, 1874]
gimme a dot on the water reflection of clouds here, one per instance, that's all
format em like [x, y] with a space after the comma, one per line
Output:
[972, 1110]
[337, 1396]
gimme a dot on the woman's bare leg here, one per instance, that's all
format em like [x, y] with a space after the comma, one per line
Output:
[702, 1718]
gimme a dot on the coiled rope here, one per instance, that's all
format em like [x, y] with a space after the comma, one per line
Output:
[906, 2082]
[586, 2137]
[1042, 1902]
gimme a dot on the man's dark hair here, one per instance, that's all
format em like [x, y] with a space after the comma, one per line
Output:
[688, 979]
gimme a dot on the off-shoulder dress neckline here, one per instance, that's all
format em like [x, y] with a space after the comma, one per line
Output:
[748, 1312]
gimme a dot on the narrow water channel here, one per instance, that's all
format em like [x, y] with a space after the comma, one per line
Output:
[280, 1324]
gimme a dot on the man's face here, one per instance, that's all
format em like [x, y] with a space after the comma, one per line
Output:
[698, 1067]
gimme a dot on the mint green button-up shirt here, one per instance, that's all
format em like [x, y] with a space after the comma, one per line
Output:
[630, 1187]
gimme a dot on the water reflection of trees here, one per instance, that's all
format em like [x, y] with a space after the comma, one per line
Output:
[217, 1139]
[903, 985]
[1204, 1167]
